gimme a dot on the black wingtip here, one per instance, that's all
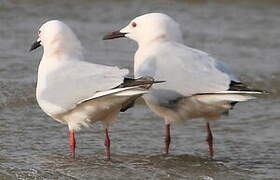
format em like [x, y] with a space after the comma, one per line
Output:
[158, 82]
[239, 86]
[140, 81]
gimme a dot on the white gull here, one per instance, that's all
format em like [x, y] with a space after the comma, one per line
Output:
[76, 92]
[197, 85]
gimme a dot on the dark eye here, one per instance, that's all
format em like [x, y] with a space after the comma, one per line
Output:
[39, 31]
[134, 24]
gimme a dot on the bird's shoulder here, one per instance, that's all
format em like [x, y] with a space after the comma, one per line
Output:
[76, 70]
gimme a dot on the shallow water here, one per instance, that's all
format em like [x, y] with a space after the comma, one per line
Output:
[245, 35]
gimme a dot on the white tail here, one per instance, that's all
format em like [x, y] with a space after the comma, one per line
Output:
[215, 98]
[241, 92]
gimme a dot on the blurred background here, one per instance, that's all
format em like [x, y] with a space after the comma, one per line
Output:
[242, 33]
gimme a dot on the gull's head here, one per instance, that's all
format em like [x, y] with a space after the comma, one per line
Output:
[57, 38]
[148, 28]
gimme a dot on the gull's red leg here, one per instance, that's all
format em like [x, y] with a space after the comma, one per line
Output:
[167, 138]
[107, 144]
[72, 142]
[209, 139]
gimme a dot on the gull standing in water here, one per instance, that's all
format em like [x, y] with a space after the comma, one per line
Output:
[79, 93]
[197, 85]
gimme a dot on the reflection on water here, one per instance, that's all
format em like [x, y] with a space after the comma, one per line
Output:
[243, 34]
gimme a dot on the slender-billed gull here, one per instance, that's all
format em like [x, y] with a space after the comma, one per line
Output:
[79, 93]
[197, 85]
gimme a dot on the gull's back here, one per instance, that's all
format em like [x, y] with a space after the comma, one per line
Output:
[73, 81]
[186, 71]
[196, 85]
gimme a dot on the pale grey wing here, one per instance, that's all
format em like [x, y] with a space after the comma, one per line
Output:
[77, 80]
[186, 72]
[224, 68]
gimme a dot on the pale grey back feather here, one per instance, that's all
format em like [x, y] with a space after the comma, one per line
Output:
[224, 68]
[74, 81]
[186, 71]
